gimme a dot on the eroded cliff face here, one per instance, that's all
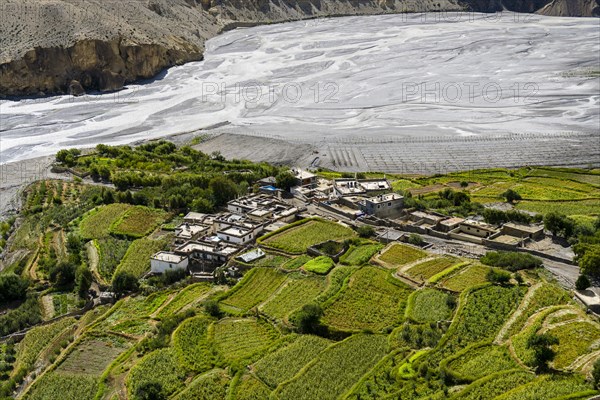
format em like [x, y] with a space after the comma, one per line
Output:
[572, 8]
[74, 45]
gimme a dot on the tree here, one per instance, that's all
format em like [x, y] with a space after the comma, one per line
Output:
[464, 184]
[124, 282]
[222, 189]
[415, 239]
[62, 274]
[543, 353]
[308, 319]
[589, 263]
[559, 224]
[365, 231]
[150, 391]
[83, 280]
[212, 308]
[498, 276]
[582, 283]
[285, 180]
[596, 374]
[511, 196]
[12, 287]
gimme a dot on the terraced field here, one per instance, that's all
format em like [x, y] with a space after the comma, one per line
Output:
[240, 339]
[297, 239]
[96, 224]
[256, 286]
[371, 300]
[399, 254]
[427, 269]
[294, 293]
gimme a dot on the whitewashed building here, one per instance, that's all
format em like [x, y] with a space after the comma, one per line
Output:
[167, 261]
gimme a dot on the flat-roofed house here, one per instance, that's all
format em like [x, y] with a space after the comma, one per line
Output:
[534, 232]
[187, 231]
[167, 261]
[383, 206]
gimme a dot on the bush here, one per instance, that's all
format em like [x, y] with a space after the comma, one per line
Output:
[511, 261]
[365, 231]
[582, 283]
[543, 353]
[498, 276]
[124, 282]
[308, 319]
[596, 374]
[559, 224]
[416, 240]
[213, 309]
[12, 287]
[511, 196]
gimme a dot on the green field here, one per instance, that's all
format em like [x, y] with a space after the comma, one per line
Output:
[359, 255]
[479, 361]
[494, 385]
[286, 362]
[256, 287]
[472, 275]
[297, 239]
[60, 386]
[191, 294]
[138, 222]
[400, 254]
[429, 305]
[425, 270]
[110, 253]
[137, 258]
[160, 367]
[96, 224]
[319, 265]
[372, 300]
[575, 339]
[92, 356]
[191, 344]
[334, 371]
[241, 339]
[294, 294]
[210, 386]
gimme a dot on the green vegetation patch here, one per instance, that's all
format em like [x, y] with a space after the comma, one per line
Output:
[296, 292]
[430, 305]
[298, 238]
[550, 387]
[359, 255]
[138, 222]
[191, 344]
[160, 367]
[399, 254]
[479, 361]
[61, 386]
[372, 299]
[110, 253]
[574, 340]
[255, 287]
[482, 316]
[336, 369]
[320, 265]
[286, 362]
[96, 224]
[210, 386]
[296, 262]
[191, 294]
[137, 258]
[248, 387]
[425, 270]
[544, 296]
[494, 385]
[240, 339]
[472, 275]
[92, 356]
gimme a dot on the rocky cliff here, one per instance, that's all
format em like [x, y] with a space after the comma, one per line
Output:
[62, 46]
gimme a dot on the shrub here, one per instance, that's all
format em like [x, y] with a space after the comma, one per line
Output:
[498, 276]
[416, 239]
[365, 231]
[124, 282]
[319, 265]
[542, 352]
[308, 319]
[582, 283]
[511, 261]
[596, 374]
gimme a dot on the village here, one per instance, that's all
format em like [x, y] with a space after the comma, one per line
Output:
[205, 243]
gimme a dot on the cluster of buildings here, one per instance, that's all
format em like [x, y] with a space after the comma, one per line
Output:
[204, 242]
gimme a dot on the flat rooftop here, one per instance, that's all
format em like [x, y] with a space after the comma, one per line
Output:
[384, 197]
[167, 256]
[524, 228]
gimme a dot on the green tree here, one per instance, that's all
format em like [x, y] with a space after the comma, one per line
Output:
[285, 180]
[124, 282]
[559, 224]
[582, 282]
[308, 319]
[12, 287]
[511, 196]
[542, 350]
[150, 391]
[498, 276]
[62, 274]
[589, 263]
[415, 239]
[83, 280]
[596, 374]
[212, 308]
[365, 231]
[222, 189]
